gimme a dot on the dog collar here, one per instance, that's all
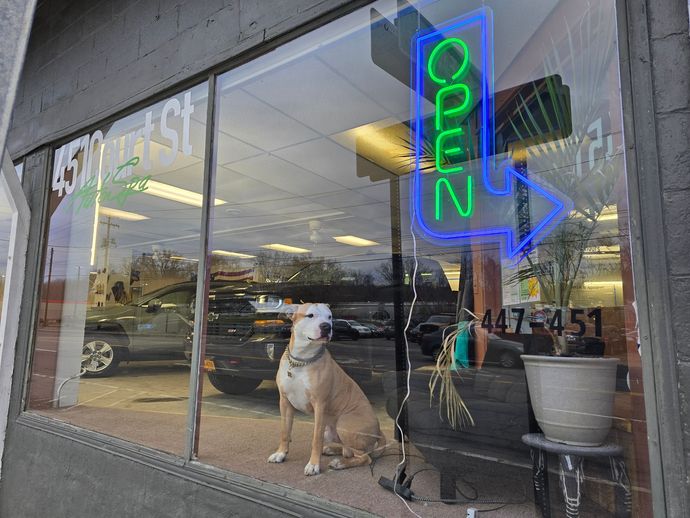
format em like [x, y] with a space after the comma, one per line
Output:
[293, 361]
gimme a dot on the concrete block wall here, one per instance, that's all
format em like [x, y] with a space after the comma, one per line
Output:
[669, 42]
[89, 59]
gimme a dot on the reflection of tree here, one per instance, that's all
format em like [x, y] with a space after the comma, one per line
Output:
[161, 264]
[431, 284]
[281, 267]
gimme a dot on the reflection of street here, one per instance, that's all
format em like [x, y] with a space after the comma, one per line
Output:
[163, 386]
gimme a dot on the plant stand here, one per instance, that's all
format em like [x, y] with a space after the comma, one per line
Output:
[571, 461]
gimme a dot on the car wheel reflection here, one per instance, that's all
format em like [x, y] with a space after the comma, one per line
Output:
[99, 358]
[234, 385]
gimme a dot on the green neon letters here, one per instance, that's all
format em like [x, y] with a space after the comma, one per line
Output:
[467, 212]
[441, 101]
[436, 54]
[452, 102]
[446, 149]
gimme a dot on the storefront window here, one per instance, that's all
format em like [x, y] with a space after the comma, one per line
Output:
[120, 271]
[414, 208]
[484, 193]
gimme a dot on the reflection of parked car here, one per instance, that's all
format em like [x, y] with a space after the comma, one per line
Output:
[364, 331]
[432, 324]
[501, 351]
[376, 328]
[152, 328]
[343, 329]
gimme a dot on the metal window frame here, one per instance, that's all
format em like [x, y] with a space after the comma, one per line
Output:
[14, 279]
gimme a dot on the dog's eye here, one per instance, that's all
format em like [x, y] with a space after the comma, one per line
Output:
[310, 315]
[330, 317]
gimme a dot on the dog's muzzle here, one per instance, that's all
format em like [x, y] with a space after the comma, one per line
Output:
[325, 330]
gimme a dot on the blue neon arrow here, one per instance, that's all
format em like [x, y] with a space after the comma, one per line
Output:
[496, 190]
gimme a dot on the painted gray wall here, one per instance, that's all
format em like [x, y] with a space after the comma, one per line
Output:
[88, 60]
[655, 70]
[15, 24]
[669, 44]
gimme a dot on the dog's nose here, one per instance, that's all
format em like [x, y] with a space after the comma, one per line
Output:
[325, 328]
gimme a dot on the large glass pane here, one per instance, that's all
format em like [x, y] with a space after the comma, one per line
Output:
[119, 279]
[451, 183]
[6, 216]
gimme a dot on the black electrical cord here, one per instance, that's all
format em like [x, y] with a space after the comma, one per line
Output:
[466, 500]
[491, 510]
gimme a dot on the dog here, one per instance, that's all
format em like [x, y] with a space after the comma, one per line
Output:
[309, 380]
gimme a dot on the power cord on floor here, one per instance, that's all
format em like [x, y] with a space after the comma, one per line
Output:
[401, 485]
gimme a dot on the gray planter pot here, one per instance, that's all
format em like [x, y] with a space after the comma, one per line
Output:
[572, 398]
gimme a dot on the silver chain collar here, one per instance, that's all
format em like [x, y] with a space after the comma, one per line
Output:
[293, 361]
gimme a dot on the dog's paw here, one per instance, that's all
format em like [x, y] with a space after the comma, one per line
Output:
[312, 469]
[337, 464]
[330, 450]
[278, 456]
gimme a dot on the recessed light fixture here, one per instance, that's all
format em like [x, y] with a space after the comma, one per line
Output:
[233, 254]
[169, 192]
[354, 241]
[286, 248]
[121, 214]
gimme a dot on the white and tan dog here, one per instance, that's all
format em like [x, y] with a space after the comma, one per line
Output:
[310, 381]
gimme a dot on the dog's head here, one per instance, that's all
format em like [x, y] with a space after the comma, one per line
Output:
[311, 323]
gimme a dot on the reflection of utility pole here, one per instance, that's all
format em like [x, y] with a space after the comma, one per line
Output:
[50, 275]
[106, 261]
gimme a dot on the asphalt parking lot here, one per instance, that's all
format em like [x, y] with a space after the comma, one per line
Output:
[163, 386]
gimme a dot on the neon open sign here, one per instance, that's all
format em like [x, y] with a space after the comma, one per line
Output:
[460, 194]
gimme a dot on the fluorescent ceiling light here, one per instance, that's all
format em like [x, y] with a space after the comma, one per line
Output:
[602, 256]
[286, 248]
[599, 284]
[121, 214]
[233, 254]
[609, 214]
[354, 241]
[163, 190]
[180, 258]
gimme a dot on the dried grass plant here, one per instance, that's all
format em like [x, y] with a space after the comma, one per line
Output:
[449, 399]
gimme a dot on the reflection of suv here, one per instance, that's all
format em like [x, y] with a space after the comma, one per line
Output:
[433, 323]
[343, 329]
[152, 328]
[247, 333]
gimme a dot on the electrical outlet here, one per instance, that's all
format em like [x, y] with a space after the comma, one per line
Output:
[472, 512]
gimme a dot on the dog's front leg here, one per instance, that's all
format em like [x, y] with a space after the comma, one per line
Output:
[287, 414]
[314, 466]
